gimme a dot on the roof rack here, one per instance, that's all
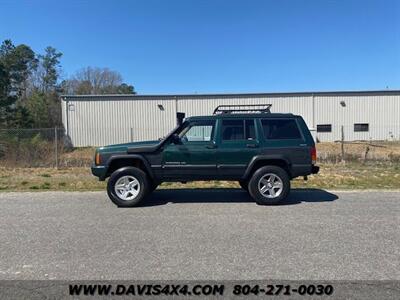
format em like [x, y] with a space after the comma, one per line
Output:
[245, 108]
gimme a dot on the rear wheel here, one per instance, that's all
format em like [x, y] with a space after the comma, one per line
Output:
[269, 185]
[127, 186]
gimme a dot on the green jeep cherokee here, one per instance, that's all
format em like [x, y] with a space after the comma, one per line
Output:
[260, 149]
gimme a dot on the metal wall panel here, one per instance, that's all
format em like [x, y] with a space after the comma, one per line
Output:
[102, 120]
[96, 123]
[296, 105]
[381, 112]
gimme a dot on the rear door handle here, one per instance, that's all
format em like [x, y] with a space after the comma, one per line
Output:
[251, 145]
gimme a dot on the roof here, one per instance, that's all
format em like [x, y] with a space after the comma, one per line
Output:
[226, 95]
[241, 116]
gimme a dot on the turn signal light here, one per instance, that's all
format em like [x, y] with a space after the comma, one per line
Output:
[313, 155]
[97, 158]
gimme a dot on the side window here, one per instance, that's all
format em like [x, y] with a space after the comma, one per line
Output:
[198, 132]
[250, 130]
[233, 130]
[276, 129]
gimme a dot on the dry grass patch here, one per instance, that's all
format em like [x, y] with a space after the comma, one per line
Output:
[28, 179]
[386, 151]
[331, 176]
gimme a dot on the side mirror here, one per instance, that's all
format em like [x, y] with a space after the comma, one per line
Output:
[176, 139]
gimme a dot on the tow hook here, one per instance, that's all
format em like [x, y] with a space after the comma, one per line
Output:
[305, 178]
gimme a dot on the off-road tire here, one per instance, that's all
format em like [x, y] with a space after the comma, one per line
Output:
[128, 171]
[258, 175]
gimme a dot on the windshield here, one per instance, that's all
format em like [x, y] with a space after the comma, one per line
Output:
[176, 130]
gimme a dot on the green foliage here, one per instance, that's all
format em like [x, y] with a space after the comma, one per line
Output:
[16, 64]
[49, 69]
[30, 86]
[125, 89]
[24, 147]
[22, 118]
[37, 106]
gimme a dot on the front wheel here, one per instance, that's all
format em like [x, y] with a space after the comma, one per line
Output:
[127, 186]
[269, 185]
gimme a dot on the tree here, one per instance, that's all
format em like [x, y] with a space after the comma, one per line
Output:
[30, 86]
[16, 64]
[93, 80]
[125, 89]
[38, 108]
[42, 99]
[48, 71]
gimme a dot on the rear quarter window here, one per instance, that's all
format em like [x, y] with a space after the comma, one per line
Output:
[280, 129]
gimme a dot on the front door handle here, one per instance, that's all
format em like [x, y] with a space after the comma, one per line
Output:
[212, 146]
[251, 145]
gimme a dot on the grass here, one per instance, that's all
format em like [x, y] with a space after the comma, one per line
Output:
[331, 176]
[381, 170]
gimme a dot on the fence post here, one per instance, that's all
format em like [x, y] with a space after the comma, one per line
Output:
[56, 145]
[342, 146]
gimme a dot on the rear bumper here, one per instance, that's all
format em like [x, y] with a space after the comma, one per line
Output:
[314, 169]
[99, 171]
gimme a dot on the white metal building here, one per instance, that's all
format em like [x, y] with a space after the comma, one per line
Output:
[95, 120]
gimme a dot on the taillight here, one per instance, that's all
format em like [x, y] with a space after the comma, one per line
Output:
[313, 155]
[97, 158]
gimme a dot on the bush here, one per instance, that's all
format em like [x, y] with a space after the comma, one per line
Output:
[26, 149]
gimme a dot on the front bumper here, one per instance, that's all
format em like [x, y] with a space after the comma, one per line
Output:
[314, 169]
[99, 171]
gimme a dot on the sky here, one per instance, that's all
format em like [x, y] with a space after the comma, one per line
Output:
[218, 46]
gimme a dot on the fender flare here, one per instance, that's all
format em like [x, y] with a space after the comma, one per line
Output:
[130, 156]
[257, 158]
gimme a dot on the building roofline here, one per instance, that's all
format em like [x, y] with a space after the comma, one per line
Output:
[227, 95]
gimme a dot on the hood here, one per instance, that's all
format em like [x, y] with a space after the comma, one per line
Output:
[124, 147]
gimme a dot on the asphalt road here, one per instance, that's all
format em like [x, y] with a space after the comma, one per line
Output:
[203, 234]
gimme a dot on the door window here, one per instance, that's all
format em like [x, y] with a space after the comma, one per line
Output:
[198, 132]
[233, 130]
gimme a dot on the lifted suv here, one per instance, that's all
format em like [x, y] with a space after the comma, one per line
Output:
[261, 150]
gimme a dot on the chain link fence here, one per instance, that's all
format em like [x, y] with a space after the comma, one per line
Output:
[40, 147]
[51, 148]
